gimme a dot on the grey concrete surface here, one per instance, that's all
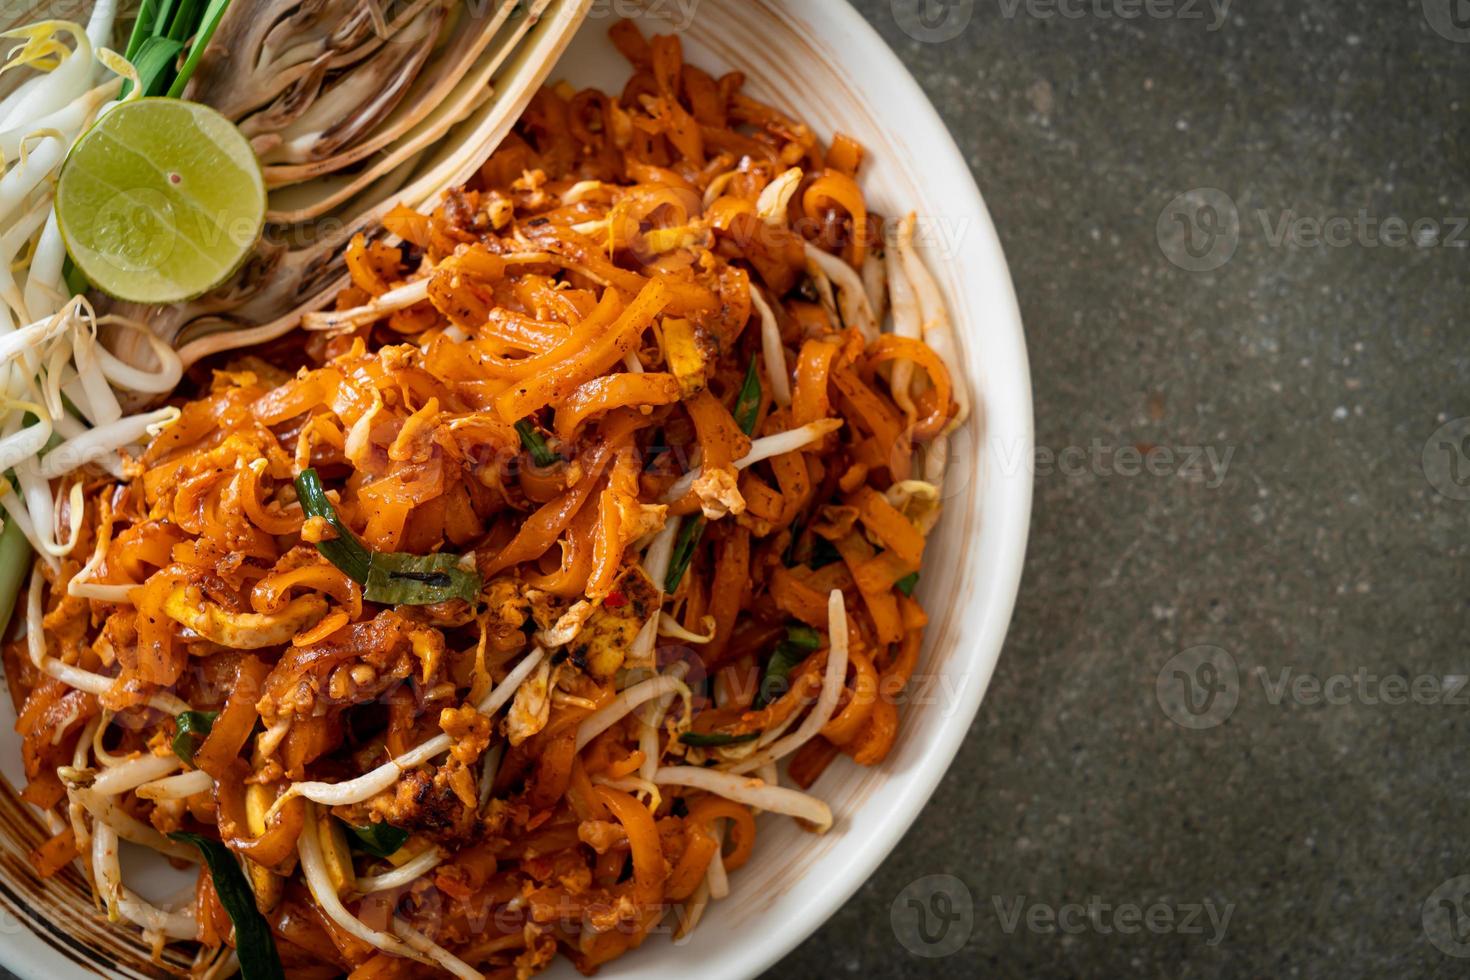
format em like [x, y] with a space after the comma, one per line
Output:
[1329, 820]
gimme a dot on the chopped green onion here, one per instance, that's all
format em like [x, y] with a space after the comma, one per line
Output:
[688, 540]
[142, 27]
[908, 583]
[804, 638]
[167, 41]
[379, 839]
[800, 642]
[207, 25]
[396, 579]
[75, 279]
[800, 547]
[194, 728]
[254, 945]
[390, 578]
[748, 405]
[535, 444]
[710, 740]
[15, 563]
[344, 551]
[155, 64]
[181, 22]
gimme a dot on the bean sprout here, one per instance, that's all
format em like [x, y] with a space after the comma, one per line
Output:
[410, 872]
[314, 868]
[178, 787]
[852, 295]
[750, 791]
[595, 724]
[832, 682]
[369, 785]
[772, 350]
[763, 449]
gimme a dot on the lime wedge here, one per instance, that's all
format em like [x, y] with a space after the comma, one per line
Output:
[160, 201]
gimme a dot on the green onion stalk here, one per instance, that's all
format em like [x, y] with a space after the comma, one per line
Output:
[15, 562]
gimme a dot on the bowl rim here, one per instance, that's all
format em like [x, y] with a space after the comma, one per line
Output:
[863, 45]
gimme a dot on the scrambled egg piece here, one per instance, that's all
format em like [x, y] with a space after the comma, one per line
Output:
[690, 354]
[566, 628]
[245, 630]
[532, 705]
[693, 235]
[719, 493]
[545, 609]
[608, 635]
[638, 519]
[470, 731]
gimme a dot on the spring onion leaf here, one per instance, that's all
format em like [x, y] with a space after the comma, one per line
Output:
[15, 549]
[344, 551]
[379, 839]
[705, 740]
[804, 638]
[194, 728]
[800, 642]
[165, 32]
[908, 583]
[163, 18]
[748, 405]
[254, 944]
[142, 27]
[390, 578]
[207, 24]
[76, 281]
[535, 444]
[397, 579]
[688, 540]
[155, 64]
[15, 564]
[182, 22]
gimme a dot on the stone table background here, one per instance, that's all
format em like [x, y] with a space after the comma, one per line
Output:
[1324, 819]
[1320, 542]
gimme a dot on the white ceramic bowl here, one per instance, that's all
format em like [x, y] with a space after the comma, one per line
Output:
[823, 64]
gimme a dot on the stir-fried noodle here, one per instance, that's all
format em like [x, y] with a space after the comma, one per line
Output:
[480, 618]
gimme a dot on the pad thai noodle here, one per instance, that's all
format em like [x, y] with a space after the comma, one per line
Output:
[474, 623]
